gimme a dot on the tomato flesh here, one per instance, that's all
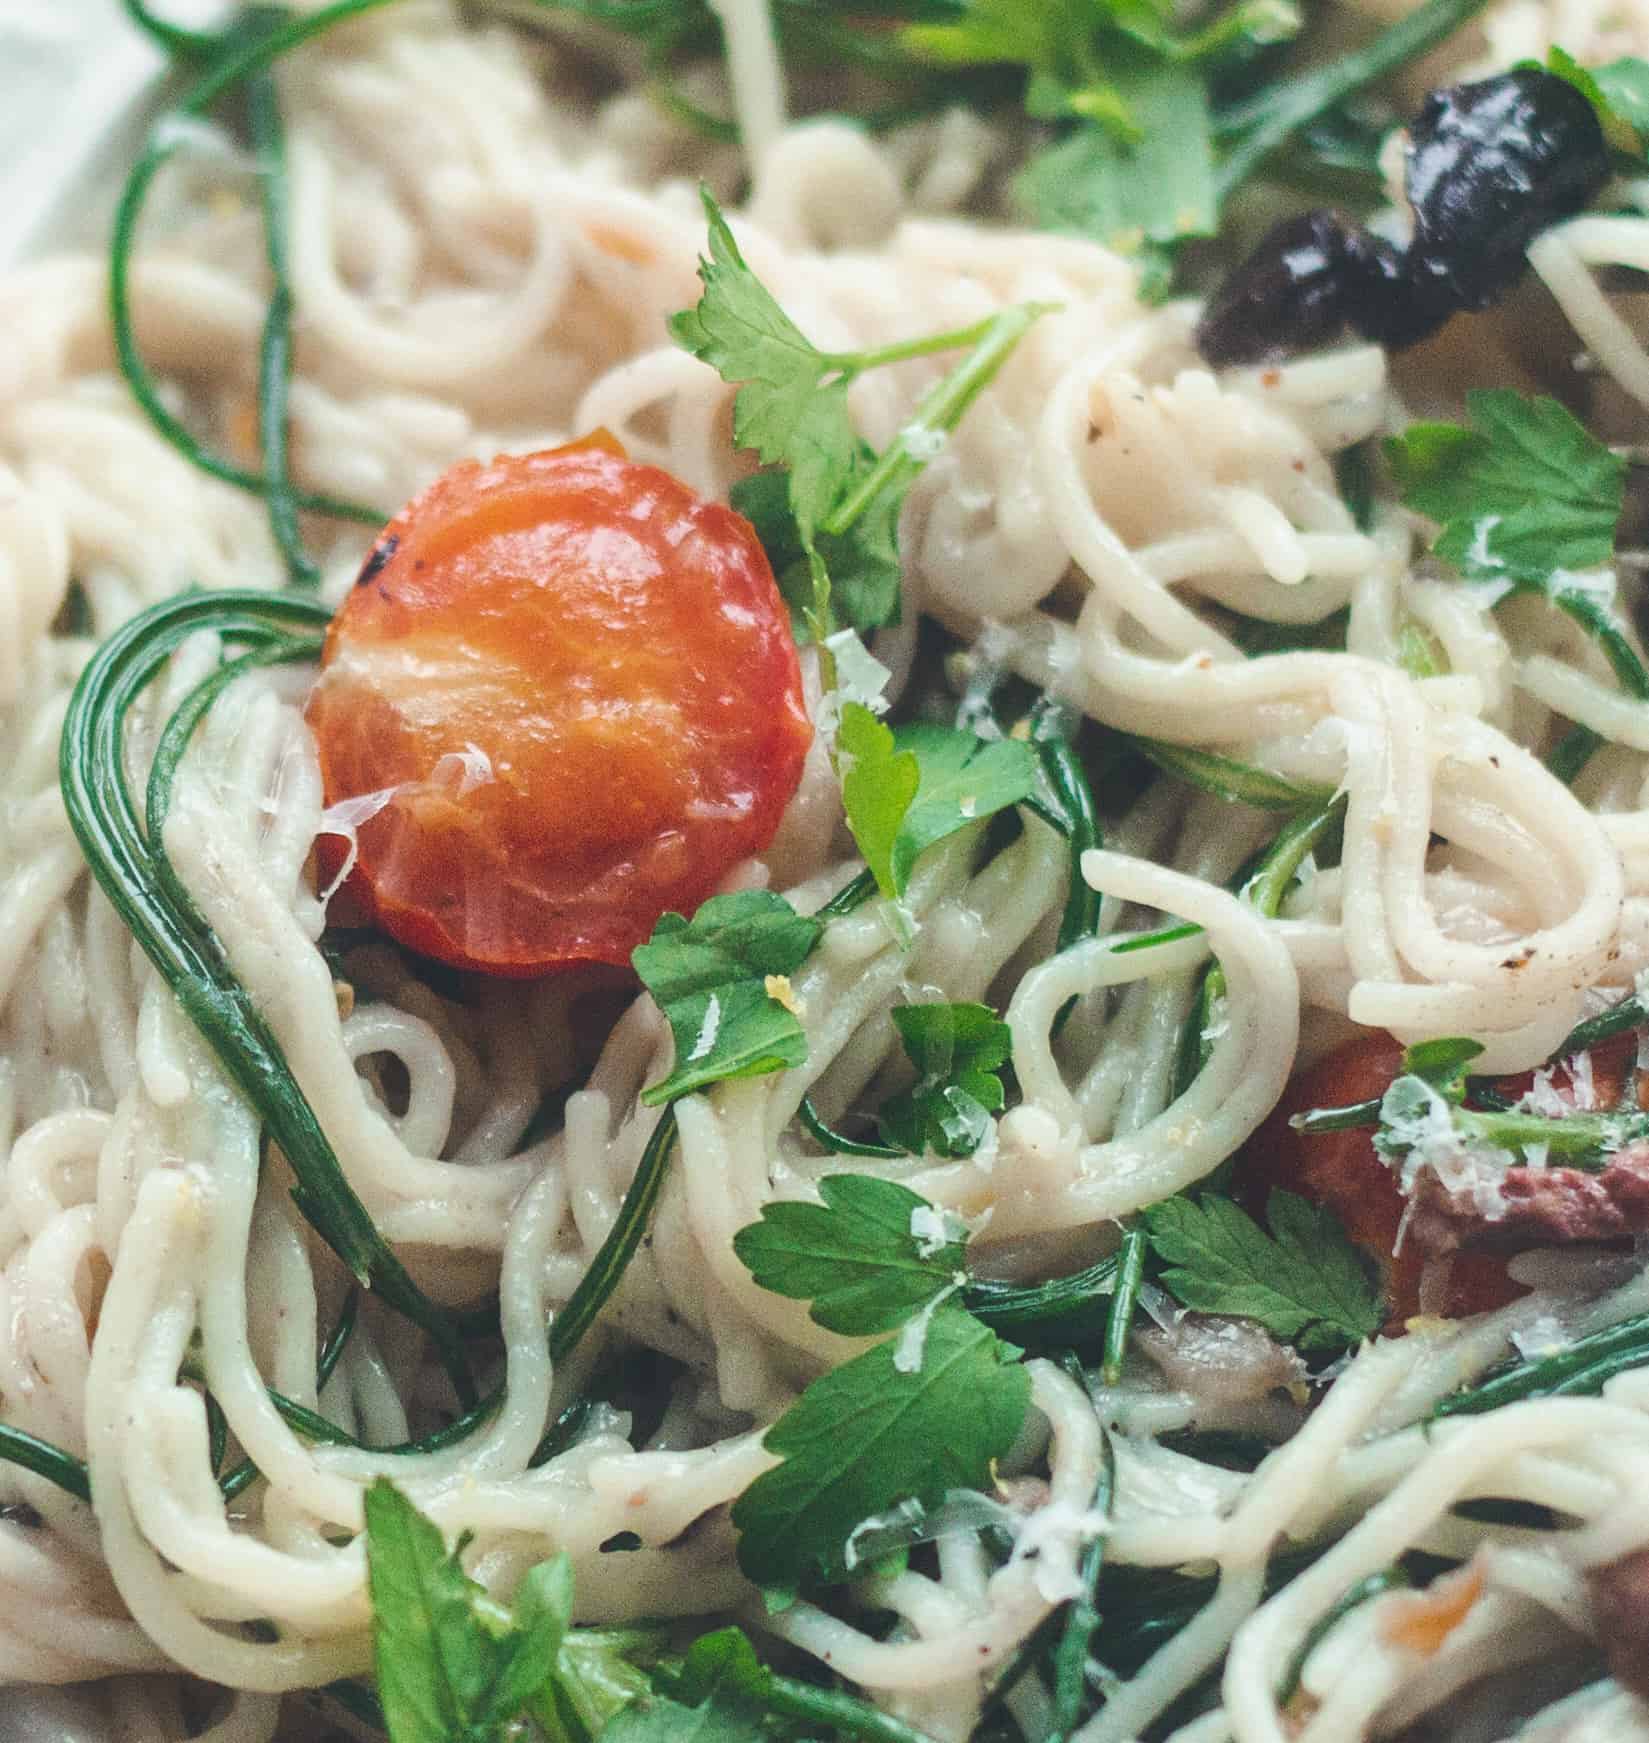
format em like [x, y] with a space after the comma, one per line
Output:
[569, 685]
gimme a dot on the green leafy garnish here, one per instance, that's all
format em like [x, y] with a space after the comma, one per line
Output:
[957, 1051]
[868, 1258]
[871, 1434]
[791, 407]
[1618, 93]
[713, 978]
[1304, 1281]
[454, 1665]
[720, 1695]
[832, 534]
[1528, 502]
[906, 788]
[1140, 194]
[1523, 495]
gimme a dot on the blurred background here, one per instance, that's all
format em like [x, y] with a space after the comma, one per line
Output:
[73, 76]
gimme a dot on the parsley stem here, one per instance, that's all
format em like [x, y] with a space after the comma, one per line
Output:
[19, 1447]
[937, 413]
[1082, 1618]
[1124, 1304]
[1375, 1585]
[858, 362]
[1257, 128]
[813, 1124]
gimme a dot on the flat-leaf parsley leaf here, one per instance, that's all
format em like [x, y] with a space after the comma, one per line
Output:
[712, 977]
[906, 788]
[957, 1051]
[869, 1435]
[868, 1258]
[1524, 494]
[1304, 1281]
[452, 1662]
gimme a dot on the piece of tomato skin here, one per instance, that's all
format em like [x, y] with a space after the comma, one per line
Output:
[612, 652]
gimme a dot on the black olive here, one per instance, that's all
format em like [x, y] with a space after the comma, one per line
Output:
[1306, 281]
[1491, 165]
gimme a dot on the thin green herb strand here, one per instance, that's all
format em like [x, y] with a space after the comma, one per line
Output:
[134, 874]
[939, 409]
[1082, 1618]
[19, 1447]
[1616, 1348]
[813, 1123]
[853, 894]
[174, 38]
[275, 347]
[844, 1714]
[1630, 1013]
[331, 1353]
[613, 1257]
[1130, 1275]
[1265, 891]
[1258, 128]
[326, 1364]
[1572, 752]
[239, 60]
[217, 1433]
[1076, 1306]
[1226, 778]
[1376, 1585]
[570, 1325]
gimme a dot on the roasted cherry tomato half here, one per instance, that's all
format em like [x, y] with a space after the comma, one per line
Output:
[565, 689]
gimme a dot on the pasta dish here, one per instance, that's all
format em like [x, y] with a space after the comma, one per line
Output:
[825, 888]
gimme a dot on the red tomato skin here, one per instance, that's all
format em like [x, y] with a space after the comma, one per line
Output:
[605, 661]
[1341, 1172]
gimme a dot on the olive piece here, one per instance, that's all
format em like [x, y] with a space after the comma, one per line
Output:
[1490, 165]
[1307, 279]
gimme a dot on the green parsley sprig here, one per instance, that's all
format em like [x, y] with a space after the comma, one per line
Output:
[1527, 500]
[1304, 1281]
[720, 978]
[868, 1258]
[877, 1431]
[838, 516]
[958, 1052]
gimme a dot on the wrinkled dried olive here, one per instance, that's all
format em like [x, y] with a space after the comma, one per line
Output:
[1306, 281]
[1491, 165]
